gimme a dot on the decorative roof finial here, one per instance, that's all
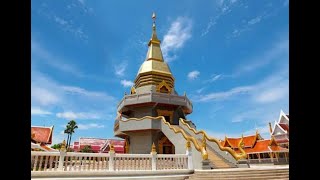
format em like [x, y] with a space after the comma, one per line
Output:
[154, 20]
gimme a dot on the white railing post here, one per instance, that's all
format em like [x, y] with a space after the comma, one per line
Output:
[153, 158]
[63, 153]
[111, 158]
[189, 155]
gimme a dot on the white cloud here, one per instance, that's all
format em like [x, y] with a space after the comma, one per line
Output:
[193, 75]
[67, 25]
[270, 89]
[60, 21]
[89, 126]
[126, 83]
[213, 78]
[255, 20]
[120, 68]
[273, 94]
[225, 7]
[83, 92]
[278, 51]
[81, 1]
[42, 55]
[39, 111]
[224, 94]
[200, 90]
[80, 115]
[47, 93]
[43, 96]
[177, 35]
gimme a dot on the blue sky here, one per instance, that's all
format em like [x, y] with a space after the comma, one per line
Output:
[229, 56]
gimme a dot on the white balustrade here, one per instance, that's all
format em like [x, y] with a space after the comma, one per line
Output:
[73, 161]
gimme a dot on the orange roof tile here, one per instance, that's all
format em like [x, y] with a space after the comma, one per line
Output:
[233, 142]
[42, 134]
[248, 141]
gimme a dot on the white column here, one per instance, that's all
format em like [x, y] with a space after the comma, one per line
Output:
[189, 154]
[61, 160]
[111, 160]
[154, 161]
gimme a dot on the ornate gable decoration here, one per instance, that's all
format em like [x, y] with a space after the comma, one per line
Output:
[163, 87]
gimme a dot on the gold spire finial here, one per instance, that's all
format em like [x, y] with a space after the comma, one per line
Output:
[153, 148]
[154, 17]
[63, 145]
[154, 21]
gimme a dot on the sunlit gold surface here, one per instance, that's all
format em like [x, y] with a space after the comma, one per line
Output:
[63, 145]
[176, 131]
[154, 64]
[163, 83]
[153, 148]
[232, 152]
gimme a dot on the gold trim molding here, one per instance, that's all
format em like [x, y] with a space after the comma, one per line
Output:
[237, 156]
[166, 113]
[163, 84]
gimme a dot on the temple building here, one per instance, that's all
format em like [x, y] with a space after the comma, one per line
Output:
[99, 145]
[41, 137]
[257, 148]
[155, 113]
[280, 130]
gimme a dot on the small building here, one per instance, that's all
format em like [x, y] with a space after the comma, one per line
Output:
[258, 150]
[99, 145]
[280, 130]
[41, 137]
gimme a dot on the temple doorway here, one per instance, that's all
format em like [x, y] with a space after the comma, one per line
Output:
[165, 146]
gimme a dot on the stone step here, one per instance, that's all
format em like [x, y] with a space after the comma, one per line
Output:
[270, 176]
[244, 172]
[243, 176]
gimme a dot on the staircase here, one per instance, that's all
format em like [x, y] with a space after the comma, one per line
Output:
[217, 162]
[240, 173]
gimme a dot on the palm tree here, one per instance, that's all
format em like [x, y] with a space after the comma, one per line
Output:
[71, 126]
[67, 131]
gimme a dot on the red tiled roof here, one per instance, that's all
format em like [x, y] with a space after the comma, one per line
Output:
[284, 126]
[42, 134]
[282, 140]
[222, 143]
[247, 140]
[262, 146]
[233, 142]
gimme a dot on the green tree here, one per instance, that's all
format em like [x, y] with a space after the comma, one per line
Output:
[86, 149]
[70, 127]
[56, 146]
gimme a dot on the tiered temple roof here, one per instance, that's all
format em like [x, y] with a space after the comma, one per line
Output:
[280, 130]
[41, 134]
[41, 137]
[253, 144]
